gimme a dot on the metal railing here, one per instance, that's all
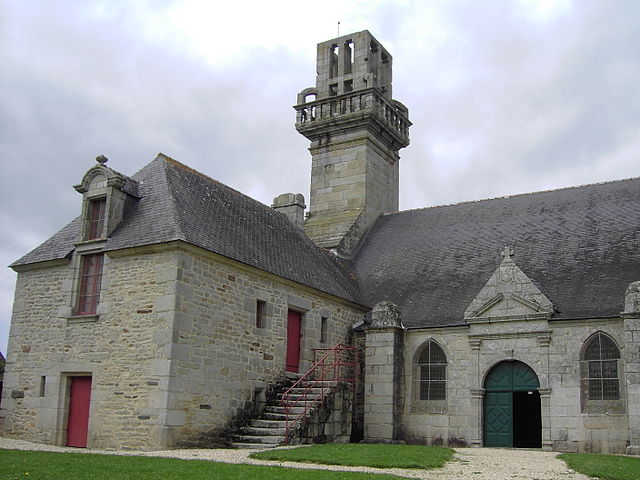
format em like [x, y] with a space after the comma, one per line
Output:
[334, 366]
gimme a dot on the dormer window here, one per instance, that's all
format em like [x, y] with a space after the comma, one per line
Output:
[95, 218]
[107, 195]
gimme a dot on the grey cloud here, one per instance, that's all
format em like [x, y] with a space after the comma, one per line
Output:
[520, 106]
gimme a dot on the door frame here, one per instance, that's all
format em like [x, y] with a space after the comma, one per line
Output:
[510, 388]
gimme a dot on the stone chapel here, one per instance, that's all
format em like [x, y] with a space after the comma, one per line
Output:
[176, 311]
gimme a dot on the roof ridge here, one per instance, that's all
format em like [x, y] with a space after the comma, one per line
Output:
[501, 197]
[179, 164]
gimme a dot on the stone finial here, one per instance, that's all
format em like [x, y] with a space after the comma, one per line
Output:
[101, 159]
[632, 298]
[386, 314]
[507, 253]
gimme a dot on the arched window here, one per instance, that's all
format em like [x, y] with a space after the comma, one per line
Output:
[432, 368]
[599, 369]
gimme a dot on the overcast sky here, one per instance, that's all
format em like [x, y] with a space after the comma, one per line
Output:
[505, 97]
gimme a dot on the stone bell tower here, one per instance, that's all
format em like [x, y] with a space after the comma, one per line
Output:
[356, 131]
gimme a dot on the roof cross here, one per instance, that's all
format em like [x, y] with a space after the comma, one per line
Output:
[507, 252]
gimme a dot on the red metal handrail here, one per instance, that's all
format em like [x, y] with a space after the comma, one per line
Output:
[337, 364]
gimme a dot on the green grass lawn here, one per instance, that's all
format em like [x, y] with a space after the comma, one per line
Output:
[369, 455]
[27, 465]
[608, 467]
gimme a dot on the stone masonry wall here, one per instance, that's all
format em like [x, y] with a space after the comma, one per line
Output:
[572, 430]
[554, 355]
[450, 422]
[353, 178]
[223, 363]
[34, 323]
[120, 349]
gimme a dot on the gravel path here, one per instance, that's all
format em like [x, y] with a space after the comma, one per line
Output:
[471, 463]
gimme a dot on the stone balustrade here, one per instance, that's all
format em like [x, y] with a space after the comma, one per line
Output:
[369, 101]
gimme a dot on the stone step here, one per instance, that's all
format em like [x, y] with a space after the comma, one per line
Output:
[253, 446]
[273, 416]
[281, 410]
[263, 431]
[308, 395]
[268, 430]
[301, 404]
[269, 423]
[318, 384]
[259, 439]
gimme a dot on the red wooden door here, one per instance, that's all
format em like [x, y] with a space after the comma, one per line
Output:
[294, 332]
[79, 399]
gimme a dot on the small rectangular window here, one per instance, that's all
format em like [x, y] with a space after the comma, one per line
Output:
[43, 381]
[95, 218]
[90, 283]
[261, 308]
[348, 86]
[333, 89]
[323, 329]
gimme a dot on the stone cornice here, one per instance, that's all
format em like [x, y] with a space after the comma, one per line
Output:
[30, 267]
[544, 334]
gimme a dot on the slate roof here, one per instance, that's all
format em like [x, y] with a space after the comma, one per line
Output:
[580, 246]
[178, 203]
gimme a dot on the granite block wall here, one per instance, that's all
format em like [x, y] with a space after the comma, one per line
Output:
[223, 362]
[120, 348]
[569, 422]
[174, 352]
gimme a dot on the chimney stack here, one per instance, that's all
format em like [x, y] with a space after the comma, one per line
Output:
[292, 205]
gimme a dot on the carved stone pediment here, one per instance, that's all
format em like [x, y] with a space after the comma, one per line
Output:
[509, 294]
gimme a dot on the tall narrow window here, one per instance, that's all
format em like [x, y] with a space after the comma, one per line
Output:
[333, 61]
[90, 282]
[348, 56]
[600, 368]
[95, 218]
[261, 309]
[432, 366]
[323, 329]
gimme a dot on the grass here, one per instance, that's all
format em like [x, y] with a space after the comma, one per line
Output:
[368, 455]
[607, 467]
[28, 465]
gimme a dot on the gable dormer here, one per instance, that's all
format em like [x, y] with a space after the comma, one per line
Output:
[106, 196]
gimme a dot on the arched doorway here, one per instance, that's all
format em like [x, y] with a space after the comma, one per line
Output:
[512, 407]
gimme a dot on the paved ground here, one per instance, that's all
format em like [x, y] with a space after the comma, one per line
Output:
[471, 463]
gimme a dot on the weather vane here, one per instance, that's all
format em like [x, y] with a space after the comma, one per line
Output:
[338, 27]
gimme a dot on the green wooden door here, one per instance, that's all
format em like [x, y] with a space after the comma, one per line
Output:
[504, 379]
[498, 419]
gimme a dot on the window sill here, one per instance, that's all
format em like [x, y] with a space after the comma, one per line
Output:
[82, 319]
[429, 407]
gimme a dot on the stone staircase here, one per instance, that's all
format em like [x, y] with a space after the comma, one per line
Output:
[268, 430]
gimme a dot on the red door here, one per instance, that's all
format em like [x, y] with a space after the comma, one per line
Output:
[79, 399]
[294, 332]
